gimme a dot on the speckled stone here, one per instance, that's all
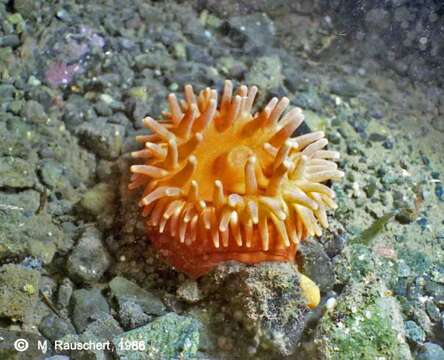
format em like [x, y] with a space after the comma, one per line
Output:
[89, 260]
[169, 337]
[18, 291]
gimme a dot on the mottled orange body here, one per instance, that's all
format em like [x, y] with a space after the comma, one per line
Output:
[224, 184]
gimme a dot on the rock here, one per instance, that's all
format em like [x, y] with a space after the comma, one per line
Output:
[26, 8]
[266, 299]
[88, 305]
[16, 173]
[54, 327]
[317, 265]
[346, 88]
[430, 351]
[9, 40]
[231, 68]
[421, 317]
[53, 174]
[89, 260]
[28, 200]
[7, 91]
[47, 285]
[189, 291]
[104, 328]
[364, 324]
[99, 201]
[102, 138]
[435, 290]
[157, 58]
[308, 100]
[266, 73]
[168, 337]
[131, 315]
[198, 54]
[19, 289]
[357, 262]
[254, 31]
[433, 311]
[377, 18]
[64, 294]
[64, 344]
[77, 110]
[124, 290]
[34, 112]
[414, 333]
[9, 338]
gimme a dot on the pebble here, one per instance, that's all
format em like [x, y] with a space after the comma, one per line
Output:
[132, 316]
[433, 311]
[34, 112]
[102, 138]
[413, 332]
[266, 73]
[65, 292]
[124, 290]
[104, 327]
[430, 351]
[317, 265]
[53, 327]
[88, 305]
[89, 260]
[189, 291]
[9, 40]
[253, 32]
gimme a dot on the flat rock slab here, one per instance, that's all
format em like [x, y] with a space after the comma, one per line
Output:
[126, 291]
[168, 337]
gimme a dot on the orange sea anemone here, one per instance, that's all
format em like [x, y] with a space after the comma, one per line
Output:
[223, 183]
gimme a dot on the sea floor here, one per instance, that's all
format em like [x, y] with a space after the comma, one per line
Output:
[75, 266]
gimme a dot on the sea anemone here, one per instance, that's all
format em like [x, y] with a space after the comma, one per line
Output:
[222, 182]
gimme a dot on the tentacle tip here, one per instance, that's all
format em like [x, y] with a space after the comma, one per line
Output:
[192, 159]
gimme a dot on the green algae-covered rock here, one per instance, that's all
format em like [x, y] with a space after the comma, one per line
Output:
[99, 202]
[168, 337]
[266, 73]
[16, 173]
[366, 324]
[18, 291]
[22, 235]
[358, 262]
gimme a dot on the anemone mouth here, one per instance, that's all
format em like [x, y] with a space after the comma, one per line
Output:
[217, 174]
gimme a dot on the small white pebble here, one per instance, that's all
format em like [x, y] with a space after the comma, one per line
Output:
[330, 304]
